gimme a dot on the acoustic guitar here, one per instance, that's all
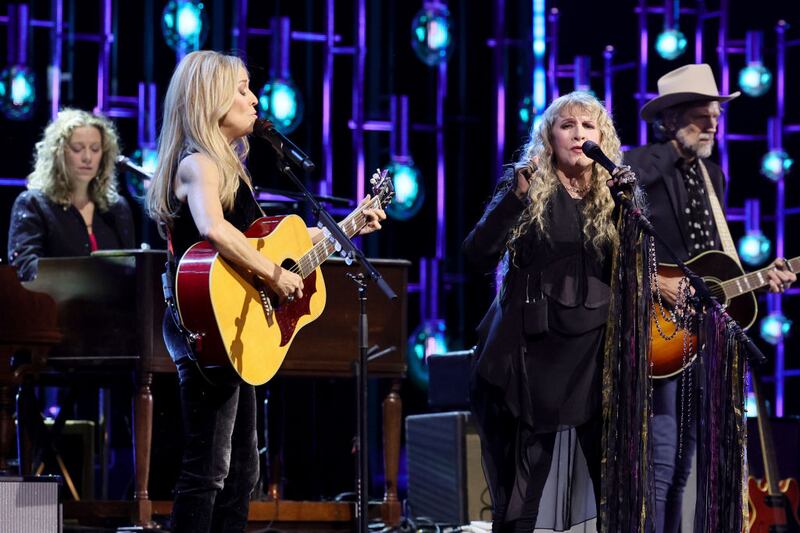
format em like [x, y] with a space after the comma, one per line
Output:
[773, 504]
[239, 321]
[731, 287]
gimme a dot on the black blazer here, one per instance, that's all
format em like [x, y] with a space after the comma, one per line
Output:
[656, 166]
[41, 228]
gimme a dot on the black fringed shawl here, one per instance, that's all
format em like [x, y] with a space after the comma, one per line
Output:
[627, 493]
[626, 502]
[721, 438]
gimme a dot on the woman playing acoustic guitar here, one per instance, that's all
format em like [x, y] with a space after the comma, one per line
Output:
[202, 191]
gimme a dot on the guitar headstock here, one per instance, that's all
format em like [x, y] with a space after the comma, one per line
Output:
[382, 187]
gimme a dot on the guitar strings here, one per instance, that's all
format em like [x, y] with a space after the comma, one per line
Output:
[358, 217]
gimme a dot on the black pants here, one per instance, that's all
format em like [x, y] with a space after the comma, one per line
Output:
[220, 458]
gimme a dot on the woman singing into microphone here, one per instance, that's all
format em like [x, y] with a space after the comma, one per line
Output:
[541, 343]
[201, 190]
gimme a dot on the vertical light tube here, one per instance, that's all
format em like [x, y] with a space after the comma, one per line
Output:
[326, 184]
[441, 241]
[583, 73]
[539, 48]
[24, 24]
[359, 58]
[104, 56]
[608, 76]
[500, 87]
[57, 42]
[642, 70]
[698, 33]
[552, 60]
[239, 29]
[725, 89]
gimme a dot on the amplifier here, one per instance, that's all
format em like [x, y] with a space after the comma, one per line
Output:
[445, 476]
[30, 504]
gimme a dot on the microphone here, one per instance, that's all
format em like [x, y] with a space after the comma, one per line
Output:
[126, 163]
[595, 153]
[282, 146]
[622, 181]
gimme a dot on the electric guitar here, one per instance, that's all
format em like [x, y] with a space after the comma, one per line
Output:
[732, 288]
[773, 504]
[237, 319]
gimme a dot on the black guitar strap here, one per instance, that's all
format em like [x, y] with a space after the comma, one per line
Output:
[168, 287]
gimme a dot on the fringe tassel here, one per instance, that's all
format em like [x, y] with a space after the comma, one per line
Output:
[627, 490]
[722, 433]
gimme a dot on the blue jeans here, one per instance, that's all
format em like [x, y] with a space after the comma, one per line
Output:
[220, 455]
[670, 471]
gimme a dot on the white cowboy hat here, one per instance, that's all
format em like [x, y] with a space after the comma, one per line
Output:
[688, 83]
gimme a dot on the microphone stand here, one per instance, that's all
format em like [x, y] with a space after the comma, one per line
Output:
[369, 273]
[703, 296]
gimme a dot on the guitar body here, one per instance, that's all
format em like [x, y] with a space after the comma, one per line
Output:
[769, 514]
[241, 322]
[714, 267]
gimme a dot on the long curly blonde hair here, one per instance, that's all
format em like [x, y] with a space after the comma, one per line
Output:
[200, 94]
[50, 173]
[598, 228]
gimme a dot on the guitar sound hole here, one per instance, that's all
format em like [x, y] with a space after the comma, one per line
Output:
[716, 290]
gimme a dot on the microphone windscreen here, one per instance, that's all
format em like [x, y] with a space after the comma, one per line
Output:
[595, 153]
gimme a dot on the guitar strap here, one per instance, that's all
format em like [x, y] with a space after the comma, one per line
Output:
[719, 217]
[168, 287]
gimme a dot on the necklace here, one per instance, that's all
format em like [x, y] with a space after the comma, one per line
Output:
[577, 190]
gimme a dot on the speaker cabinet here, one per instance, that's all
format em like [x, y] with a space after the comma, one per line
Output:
[445, 476]
[30, 504]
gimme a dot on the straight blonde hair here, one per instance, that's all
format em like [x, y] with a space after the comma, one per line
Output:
[200, 94]
[50, 173]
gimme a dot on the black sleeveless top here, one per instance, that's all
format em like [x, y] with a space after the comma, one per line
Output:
[244, 212]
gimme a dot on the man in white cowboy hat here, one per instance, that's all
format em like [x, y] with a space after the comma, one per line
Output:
[675, 171]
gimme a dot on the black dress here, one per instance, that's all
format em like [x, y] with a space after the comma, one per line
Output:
[531, 388]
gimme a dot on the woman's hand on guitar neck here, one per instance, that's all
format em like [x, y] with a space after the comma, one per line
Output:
[373, 216]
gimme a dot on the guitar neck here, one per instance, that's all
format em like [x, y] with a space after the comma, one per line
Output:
[764, 431]
[324, 248]
[754, 280]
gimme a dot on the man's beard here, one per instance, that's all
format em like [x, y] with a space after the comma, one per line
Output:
[697, 149]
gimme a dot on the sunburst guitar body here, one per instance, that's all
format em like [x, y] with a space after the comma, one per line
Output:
[731, 287]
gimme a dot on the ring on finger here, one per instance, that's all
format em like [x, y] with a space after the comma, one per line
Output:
[290, 298]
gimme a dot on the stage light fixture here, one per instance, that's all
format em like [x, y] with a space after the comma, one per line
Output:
[525, 113]
[671, 44]
[431, 36]
[184, 24]
[427, 339]
[775, 164]
[17, 92]
[754, 79]
[409, 192]
[281, 102]
[775, 327]
[754, 248]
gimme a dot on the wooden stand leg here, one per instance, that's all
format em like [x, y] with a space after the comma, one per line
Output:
[26, 408]
[7, 432]
[142, 440]
[392, 416]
